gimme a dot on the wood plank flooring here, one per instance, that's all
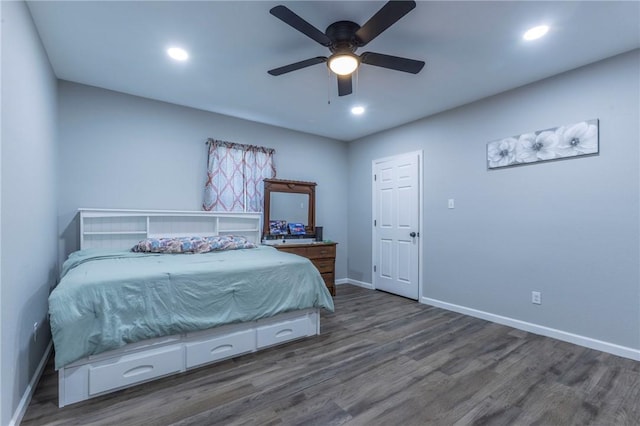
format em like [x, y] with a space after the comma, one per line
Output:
[381, 360]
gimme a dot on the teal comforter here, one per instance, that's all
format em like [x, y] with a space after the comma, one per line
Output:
[109, 298]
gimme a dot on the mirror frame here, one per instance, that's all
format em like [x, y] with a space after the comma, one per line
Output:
[291, 187]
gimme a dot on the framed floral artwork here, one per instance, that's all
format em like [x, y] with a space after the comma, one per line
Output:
[551, 144]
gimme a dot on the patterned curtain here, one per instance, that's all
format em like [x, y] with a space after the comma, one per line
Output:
[234, 176]
[258, 166]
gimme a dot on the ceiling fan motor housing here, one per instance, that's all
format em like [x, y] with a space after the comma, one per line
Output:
[343, 36]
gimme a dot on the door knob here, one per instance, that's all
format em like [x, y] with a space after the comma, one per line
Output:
[412, 235]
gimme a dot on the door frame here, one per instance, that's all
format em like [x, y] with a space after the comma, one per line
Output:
[420, 215]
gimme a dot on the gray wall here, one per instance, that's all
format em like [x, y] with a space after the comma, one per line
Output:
[28, 226]
[568, 228]
[122, 151]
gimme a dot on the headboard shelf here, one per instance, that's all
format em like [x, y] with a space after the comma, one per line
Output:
[114, 232]
[115, 228]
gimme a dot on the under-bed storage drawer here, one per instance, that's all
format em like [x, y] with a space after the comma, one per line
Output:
[219, 348]
[135, 368]
[282, 331]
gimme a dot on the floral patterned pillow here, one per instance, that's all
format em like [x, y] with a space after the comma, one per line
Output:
[192, 244]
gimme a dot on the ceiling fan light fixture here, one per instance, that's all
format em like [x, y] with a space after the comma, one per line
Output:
[343, 63]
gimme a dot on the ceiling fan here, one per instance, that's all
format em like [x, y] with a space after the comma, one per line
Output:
[343, 38]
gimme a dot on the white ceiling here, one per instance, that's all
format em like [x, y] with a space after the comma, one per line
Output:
[471, 49]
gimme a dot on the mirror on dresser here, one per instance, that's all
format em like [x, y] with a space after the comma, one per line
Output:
[293, 208]
[294, 202]
[289, 201]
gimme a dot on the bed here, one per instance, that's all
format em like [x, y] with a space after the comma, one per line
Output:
[120, 318]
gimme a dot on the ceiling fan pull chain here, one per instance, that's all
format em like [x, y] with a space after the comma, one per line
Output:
[357, 83]
[328, 86]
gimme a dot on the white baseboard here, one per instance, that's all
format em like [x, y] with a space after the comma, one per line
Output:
[565, 336]
[356, 282]
[588, 342]
[31, 387]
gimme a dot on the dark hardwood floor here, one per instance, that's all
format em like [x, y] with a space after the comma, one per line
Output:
[381, 360]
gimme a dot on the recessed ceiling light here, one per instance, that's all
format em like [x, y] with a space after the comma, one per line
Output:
[357, 110]
[536, 32]
[178, 54]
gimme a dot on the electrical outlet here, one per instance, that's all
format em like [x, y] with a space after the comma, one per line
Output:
[536, 297]
[451, 203]
[35, 331]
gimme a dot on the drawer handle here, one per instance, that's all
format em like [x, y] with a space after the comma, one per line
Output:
[135, 371]
[221, 348]
[284, 332]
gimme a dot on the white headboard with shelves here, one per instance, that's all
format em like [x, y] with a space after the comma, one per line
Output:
[112, 228]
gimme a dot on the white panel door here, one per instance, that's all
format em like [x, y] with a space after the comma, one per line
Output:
[396, 218]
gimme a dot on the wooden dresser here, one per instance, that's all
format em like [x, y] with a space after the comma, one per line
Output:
[323, 256]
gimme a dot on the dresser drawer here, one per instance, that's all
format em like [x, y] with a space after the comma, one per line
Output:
[332, 290]
[329, 278]
[320, 251]
[300, 251]
[330, 281]
[323, 257]
[324, 265]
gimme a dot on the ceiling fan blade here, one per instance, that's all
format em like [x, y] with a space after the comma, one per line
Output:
[288, 17]
[388, 15]
[392, 62]
[298, 65]
[344, 85]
